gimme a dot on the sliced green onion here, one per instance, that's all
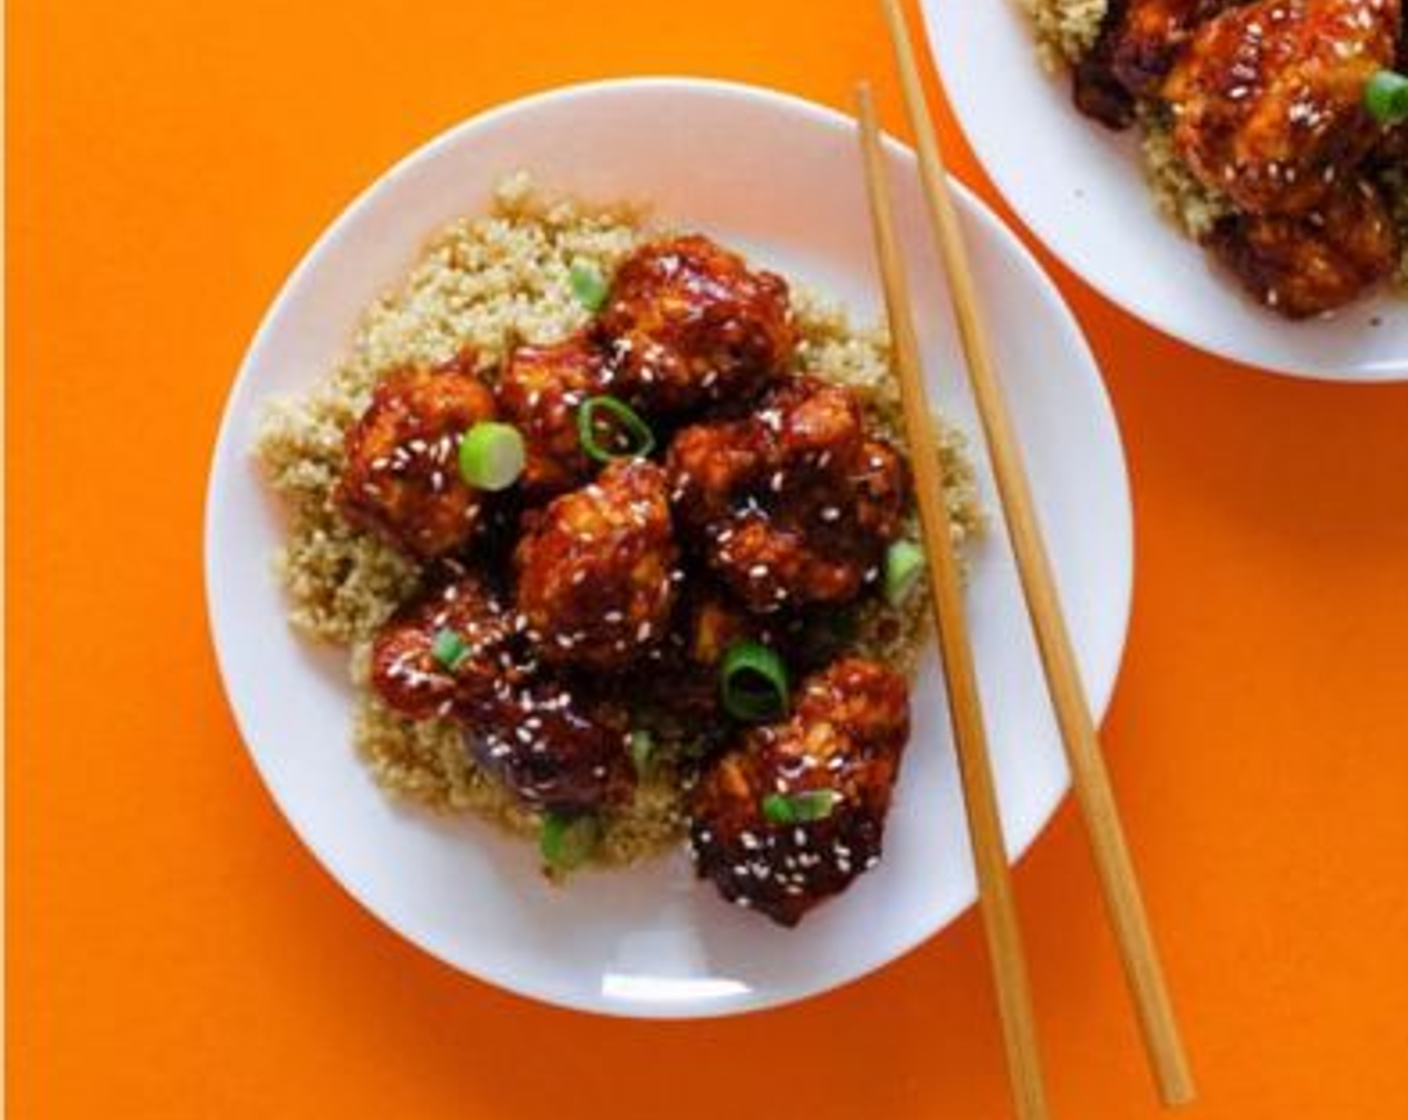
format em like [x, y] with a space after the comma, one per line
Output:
[904, 564]
[798, 808]
[1386, 97]
[566, 841]
[623, 427]
[642, 750]
[753, 681]
[449, 649]
[588, 285]
[491, 455]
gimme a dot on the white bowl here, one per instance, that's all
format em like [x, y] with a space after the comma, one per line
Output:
[780, 178]
[1081, 190]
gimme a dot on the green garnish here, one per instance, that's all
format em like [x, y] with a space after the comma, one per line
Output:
[566, 841]
[588, 285]
[1386, 97]
[491, 455]
[904, 564]
[798, 808]
[630, 436]
[642, 750]
[449, 649]
[753, 681]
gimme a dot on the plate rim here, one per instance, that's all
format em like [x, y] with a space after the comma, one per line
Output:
[226, 457]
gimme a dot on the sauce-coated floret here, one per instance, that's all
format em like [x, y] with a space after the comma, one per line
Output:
[797, 810]
[1308, 264]
[1138, 44]
[793, 505]
[401, 479]
[458, 653]
[690, 324]
[1268, 98]
[596, 570]
[539, 392]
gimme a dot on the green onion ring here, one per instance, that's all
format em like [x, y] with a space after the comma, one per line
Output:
[588, 285]
[798, 808]
[904, 564]
[627, 422]
[753, 682]
[448, 649]
[492, 455]
[642, 750]
[1386, 97]
[566, 841]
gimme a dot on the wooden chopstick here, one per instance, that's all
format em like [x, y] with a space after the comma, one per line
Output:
[965, 707]
[1114, 867]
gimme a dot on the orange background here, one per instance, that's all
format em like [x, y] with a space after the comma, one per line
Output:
[174, 952]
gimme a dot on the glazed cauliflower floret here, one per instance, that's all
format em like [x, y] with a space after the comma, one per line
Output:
[1139, 41]
[554, 747]
[457, 653]
[793, 505]
[1308, 264]
[409, 676]
[1268, 98]
[690, 324]
[596, 570]
[539, 392]
[401, 479]
[797, 810]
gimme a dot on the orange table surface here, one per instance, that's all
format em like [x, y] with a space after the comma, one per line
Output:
[173, 950]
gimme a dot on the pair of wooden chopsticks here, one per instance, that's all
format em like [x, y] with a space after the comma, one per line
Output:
[1092, 785]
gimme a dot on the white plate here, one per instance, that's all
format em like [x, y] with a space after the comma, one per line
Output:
[1081, 190]
[780, 178]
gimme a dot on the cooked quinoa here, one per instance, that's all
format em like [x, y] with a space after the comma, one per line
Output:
[1182, 197]
[491, 284]
[1065, 29]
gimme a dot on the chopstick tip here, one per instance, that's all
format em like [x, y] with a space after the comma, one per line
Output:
[865, 104]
